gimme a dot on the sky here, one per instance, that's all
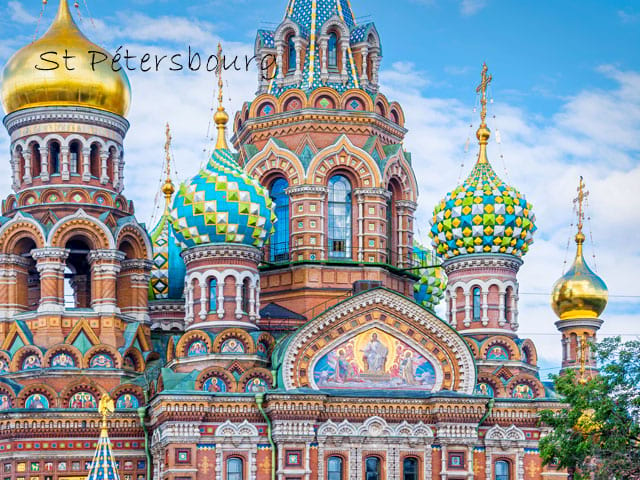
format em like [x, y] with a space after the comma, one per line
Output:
[565, 100]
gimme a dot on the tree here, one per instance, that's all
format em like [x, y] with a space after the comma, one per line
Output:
[596, 434]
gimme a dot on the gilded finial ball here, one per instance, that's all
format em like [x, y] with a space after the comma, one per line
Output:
[221, 117]
[168, 189]
[483, 134]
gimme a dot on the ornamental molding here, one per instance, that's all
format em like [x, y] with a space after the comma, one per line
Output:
[376, 427]
[159, 306]
[302, 189]
[468, 261]
[594, 323]
[236, 430]
[222, 250]
[175, 432]
[499, 433]
[50, 253]
[90, 116]
[292, 428]
[448, 432]
[381, 192]
[403, 307]
[410, 204]
[136, 264]
[8, 259]
[106, 255]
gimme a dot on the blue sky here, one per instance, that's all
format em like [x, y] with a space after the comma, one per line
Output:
[566, 97]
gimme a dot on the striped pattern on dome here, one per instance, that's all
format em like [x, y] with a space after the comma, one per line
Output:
[222, 204]
[429, 290]
[483, 215]
[168, 271]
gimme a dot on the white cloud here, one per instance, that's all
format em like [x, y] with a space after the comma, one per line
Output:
[19, 14]
[471, 7]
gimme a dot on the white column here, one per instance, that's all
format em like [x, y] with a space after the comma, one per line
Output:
[280, 61]
[324, 68]
[467, 309]
[15, 169]
[253, 314]
[44, 163]
[360, 200]
[298, 59]
[364, 76]
[502, 309]
[514, 310]
[343, 71]
[188, 298]
[86, 170]
[238, 299]
[104, 157]
[220, 292]
[485, 308]
[64, 153]
[454, 310]
[27, 167]
[203, 300]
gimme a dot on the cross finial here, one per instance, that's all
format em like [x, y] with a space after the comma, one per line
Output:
[579, 203]
[219, 72]
[220, 118]
[482, 89]
[168, 188]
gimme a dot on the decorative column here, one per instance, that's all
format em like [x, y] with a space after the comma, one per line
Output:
[467, 309]
[27, 167]
[15, 170]
[324, 67]
[116, 171]
[502, 312]
[64, 152]
[485, 308]
[104, 157]
[360, 201]
[86, 170]
[51, 263]
[238, 299]
[14, 277]
[406, 212]
[133, 288]
[105, 266]
[298, 45]
[204, 296]
[364, 77]
[44, 159]
[308, 222]
[280, 61]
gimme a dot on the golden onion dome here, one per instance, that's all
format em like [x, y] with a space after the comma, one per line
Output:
[579, 293]
[22, 85]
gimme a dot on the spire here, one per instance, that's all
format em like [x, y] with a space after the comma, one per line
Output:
[483, 132]
[63, 17]
[103, 465]
[221, 117]
[168, 189]
[579, 203]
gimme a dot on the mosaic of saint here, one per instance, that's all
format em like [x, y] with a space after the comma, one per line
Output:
[497, 353]
[523, 391]
[5, 402]
[31, 362]
[214, 384]
[127, 400]
[371, 360]
[484, 389]
[232, 346]
[101, 360]
[36, 401]
[82, 400]
[63, 360]
[197, 348]
[256, 385]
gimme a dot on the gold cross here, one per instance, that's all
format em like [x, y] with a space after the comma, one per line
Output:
[482, 88]
[579, 201]
[219, 68]
[168, 188]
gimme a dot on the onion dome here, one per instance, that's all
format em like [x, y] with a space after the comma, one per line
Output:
[24, 86]
[429, 290]
[168, 271]
[579, 293]
[484, 214]
[222, 203]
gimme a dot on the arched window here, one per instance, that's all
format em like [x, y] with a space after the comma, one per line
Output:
[476, 303]
[235, 469]
[410, 469]
[291, 55]
[74, 156]
[36, 161]
[78, 274]
[372, 468]
[332, 51]
[246, 289]
[502, 470]
[213, 295]
[280, 237]
[339, 217]
[335, 468]
[94, 161]
[54, 157]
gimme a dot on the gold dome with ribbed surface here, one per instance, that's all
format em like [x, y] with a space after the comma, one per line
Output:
[22, 85]
[579, 293]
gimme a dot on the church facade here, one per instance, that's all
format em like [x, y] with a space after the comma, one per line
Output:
[278, 322]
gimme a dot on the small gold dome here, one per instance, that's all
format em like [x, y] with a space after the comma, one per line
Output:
[579, 293]
[23, 86]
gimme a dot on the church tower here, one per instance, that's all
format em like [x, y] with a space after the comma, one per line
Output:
[579, 297]
[328, 147]
[74, 261]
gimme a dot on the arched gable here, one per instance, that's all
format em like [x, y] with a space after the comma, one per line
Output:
[343, 154]
[274, 159]
[399, 169]
[20, 227]
[411, 335]
[80, 223]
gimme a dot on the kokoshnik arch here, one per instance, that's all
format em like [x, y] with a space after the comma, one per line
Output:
[278, 321]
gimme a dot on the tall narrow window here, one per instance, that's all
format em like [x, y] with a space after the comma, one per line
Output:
[410, 469]
[54, 157]
[36, 164]
[335, 468]
[235, 469]
[280, 237]
[502, 470]
[291, 47]
[332, 53]
[74, 157]
[339, 217]
[213, 295]
[372, 468]
[476, 303]
[246, 289]
[94, 161]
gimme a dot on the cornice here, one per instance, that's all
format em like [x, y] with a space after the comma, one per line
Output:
[222, 250]
[483, 260]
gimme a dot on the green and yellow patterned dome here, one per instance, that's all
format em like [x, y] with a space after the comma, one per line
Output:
[484, 214]
[222, 204]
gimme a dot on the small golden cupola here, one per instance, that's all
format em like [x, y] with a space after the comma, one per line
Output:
[579, 293]
[22, 85]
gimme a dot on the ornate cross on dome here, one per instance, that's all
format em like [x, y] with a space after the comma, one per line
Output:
[482, 88]
[579, 202]
[219, 72]
[221, 117]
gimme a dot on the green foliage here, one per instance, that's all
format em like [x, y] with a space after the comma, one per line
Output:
[597, 433]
